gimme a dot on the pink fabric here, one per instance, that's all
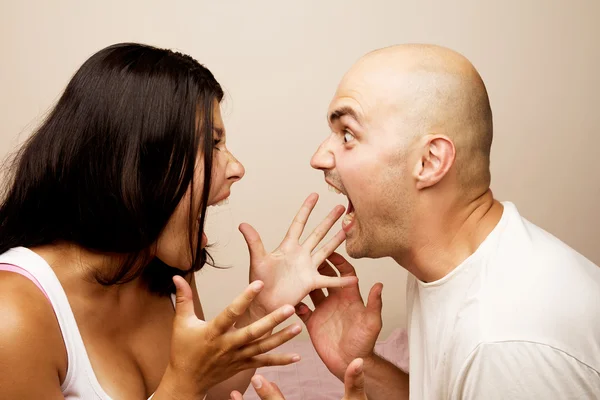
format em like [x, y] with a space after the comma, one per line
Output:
[310, 379]
[21, 271]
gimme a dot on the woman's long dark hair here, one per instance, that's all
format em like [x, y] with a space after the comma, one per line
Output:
[113, 159]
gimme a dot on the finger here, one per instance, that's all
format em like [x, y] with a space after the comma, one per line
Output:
[264, 325]
[322, 282]
[324, 252]
[275, 387]
[327, 270]
[253, 240]
[266, 390]
[317, 297]
[235, 395]
[271, 360]
[374, 302]
[271, 342]
[346, 270]
[184, 303]
[341, 264]
[303, 312]
[321, 230]
[232, 312]
[297, 226]
[354, 381]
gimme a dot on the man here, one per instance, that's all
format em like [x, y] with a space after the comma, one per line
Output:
[497, 307]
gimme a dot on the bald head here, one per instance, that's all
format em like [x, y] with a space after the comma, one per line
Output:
[428, 89]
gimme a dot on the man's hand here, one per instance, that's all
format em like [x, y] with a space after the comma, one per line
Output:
[291, 271]
[354, 383]
[341, 327]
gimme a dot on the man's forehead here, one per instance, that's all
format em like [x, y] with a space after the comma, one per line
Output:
[373, 95]
[355, 99]
[350, 99]
[344, 106]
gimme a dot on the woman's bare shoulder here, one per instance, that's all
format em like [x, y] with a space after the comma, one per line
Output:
[32, 351]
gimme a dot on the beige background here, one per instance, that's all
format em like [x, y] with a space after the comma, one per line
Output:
[280, 62]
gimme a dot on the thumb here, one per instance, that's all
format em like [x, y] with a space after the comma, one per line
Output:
[184, 305]
[303, 312]
[235, 395]
[374, 302]
[266, 390]
[253, 240]
[354, 381]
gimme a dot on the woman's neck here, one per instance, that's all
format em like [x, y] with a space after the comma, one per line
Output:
[78, 270]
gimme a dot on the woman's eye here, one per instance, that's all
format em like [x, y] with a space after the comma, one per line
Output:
[216, 143]
[348, 137]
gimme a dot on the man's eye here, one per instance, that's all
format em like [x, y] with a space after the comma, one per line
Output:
[348, 137]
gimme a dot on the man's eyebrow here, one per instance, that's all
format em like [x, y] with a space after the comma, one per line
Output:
[338, 113]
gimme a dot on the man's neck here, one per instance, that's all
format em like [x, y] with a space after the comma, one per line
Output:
[447, 238]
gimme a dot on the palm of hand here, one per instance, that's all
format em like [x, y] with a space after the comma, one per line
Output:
[342, 329]
[286, 276]
[290, 272]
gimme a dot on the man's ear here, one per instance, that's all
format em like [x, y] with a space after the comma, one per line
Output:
[436, 158]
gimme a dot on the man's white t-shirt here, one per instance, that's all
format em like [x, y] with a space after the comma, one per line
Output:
[519, 319]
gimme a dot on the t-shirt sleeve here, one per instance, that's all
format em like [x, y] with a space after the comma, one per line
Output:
[524, 371]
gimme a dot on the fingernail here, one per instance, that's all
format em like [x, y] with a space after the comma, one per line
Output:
[256, 382]
[288, 310]
[296, 329]
[257, 286]
[360, 367]
[296, 358]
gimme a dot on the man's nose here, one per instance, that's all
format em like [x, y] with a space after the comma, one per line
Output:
[323, 158]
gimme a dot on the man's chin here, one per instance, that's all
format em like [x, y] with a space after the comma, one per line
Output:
[355, 249]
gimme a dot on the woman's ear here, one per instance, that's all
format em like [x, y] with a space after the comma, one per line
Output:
[436, 158]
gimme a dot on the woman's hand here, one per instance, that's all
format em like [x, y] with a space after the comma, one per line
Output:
[206, 353]
[290, 272]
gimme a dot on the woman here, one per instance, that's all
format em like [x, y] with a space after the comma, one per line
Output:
[102, 221]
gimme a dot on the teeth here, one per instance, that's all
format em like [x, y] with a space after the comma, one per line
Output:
[334, 189]
[348, 219]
